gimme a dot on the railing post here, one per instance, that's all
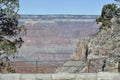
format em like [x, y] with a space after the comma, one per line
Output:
[36, 66]
[119, 66]
[88, 64]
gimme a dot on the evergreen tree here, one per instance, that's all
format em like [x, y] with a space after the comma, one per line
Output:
[10, 38]
[108, 12]
[118, 1]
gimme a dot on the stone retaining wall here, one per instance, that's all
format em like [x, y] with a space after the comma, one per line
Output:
[62, 76]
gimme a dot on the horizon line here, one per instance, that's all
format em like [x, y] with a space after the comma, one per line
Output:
[64, 14]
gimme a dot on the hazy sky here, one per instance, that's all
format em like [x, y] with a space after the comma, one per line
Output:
[80, 7]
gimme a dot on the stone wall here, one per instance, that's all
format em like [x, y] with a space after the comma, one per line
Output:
[62, 76]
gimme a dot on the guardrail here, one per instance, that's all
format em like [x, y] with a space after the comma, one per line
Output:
[35, 66]
[44, 66]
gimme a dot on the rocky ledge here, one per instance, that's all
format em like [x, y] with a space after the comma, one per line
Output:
[98, 52]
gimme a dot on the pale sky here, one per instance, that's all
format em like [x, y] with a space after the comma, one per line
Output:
[75, 7]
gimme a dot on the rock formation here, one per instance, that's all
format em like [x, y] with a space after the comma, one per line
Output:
[54, 37]
[101, 50]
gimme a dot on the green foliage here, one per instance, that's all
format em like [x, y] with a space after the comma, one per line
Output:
[118, 10]
[117, 1]
[108, 12]
[6, 67]
[9, 24]
[10, 69]
[105, 25]
[9, 17]
[10, 39]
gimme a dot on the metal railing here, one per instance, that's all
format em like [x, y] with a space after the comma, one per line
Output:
[46, 66]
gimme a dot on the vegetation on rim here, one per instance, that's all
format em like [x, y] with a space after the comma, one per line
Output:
[108, 11]
[10, 38]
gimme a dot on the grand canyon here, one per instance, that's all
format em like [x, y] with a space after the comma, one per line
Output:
[54, 37]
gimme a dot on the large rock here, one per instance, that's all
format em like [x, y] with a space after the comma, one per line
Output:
[80, 51]
[105, 45]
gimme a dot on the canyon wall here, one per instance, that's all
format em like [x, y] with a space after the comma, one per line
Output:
[54, 37]
[98, 52]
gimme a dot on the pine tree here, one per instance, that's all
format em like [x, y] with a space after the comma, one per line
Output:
[10, 38]
[108, 12]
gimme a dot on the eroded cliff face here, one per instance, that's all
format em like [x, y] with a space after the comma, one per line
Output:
[54, 37]
[80, 51]
[99, 52]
